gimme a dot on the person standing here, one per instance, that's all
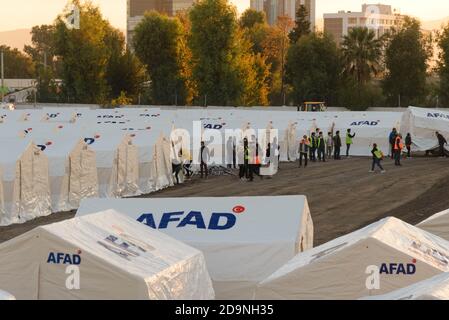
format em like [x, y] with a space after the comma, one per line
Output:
[398, 146]
[337, 145]
[349, 141]
[204, 159]
[241, 158]
[391, 140]
[441, 142]
[377, 158]
[312, 149]
[408, 145]
[303, 151]
[321, 146]
[229, 152]
[329, 145]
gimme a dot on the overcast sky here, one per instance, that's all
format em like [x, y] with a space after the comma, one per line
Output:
[19, 14]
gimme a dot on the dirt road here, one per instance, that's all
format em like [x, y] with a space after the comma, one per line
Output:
[342, 195]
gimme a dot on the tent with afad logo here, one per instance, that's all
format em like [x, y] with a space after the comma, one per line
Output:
[244, 239]
[435, 288]
[380, 258]
[102, 256]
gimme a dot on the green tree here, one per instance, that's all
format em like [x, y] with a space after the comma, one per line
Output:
[215, 53]
[407, 55]
[443, 65]
[42, 48]
[361, 53]
[313, 68]
[251, 18]
[124, 72]
[84, 55]
[17, 64]
[157, 44]
[302, 24]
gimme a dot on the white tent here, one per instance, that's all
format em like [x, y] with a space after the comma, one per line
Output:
[422, 124]
[72, 170]
[244, 239]
[102, 256]
[125, 170]
[438, 224]
[25, 182]
[378, 259]
[435, 288]
[6, 296]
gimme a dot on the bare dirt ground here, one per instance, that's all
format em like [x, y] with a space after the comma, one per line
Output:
[343, 196]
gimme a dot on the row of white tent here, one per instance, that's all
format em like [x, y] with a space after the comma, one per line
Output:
[52, 158]
[225, 248]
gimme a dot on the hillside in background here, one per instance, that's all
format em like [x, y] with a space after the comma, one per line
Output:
[16, 38]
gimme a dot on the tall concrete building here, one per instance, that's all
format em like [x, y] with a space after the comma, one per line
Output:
[276, 8]
[377, 17]
[137, 8]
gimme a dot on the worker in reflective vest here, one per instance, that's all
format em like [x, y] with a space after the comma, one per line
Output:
[321, 146]
[398, 146]
[312, 147]
[349, 141]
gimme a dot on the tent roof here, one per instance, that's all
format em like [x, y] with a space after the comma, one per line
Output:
[390, 231]
[156, 251]
[435, 288]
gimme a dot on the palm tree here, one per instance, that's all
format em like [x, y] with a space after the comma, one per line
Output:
[362, 52]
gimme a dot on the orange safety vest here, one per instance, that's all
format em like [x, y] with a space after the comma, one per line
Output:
[398, 145]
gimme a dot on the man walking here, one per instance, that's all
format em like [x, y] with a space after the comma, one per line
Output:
[441, 142]
[349, 141]
[377, 158]
[303, 151]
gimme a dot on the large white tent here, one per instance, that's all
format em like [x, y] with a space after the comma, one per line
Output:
[422, 124]
[435, 288]
[102, 256]
[25, 182]
[438, 224]
[391, 251]
[244, 239]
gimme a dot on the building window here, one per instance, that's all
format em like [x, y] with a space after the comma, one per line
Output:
[352, 21]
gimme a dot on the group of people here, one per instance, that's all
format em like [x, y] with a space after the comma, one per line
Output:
[318, 147]
[315, 147]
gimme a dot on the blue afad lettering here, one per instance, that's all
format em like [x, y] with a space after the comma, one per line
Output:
[364, 123]
[214, 127]
[64, 258]
[438, 115]
[218, 221]
[398, 268]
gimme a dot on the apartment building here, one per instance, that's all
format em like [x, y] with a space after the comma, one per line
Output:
[377, 17]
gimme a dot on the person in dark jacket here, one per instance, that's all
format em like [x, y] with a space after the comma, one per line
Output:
[441, 142]
[321, 147]
[377, 158]
[391, 140]
[337, 145]
[303, 150]
[408, 145]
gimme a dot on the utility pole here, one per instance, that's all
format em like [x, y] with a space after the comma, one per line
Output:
[2, 74]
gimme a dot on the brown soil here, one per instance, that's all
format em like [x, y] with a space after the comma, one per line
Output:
[342, 195]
